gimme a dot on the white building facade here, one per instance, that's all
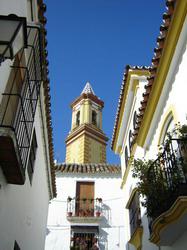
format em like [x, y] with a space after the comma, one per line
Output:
[71, 217]
[27, 178]
[153, 102]
[88, 211]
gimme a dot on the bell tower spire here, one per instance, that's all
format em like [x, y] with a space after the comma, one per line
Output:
[86, 142]
[88, 89]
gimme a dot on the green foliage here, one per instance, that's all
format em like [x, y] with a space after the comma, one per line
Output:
[152, 188]
[157, 190]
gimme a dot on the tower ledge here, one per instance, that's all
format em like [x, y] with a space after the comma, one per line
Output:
[90, 96]
[92, 131]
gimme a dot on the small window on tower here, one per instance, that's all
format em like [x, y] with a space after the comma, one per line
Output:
[78, 118]
[94, 117]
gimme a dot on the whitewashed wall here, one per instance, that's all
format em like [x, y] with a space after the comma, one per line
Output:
[173, 98]
[24, 208]
[112, 226]
[173, 95]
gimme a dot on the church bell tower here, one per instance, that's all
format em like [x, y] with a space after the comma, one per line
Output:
[86, 142]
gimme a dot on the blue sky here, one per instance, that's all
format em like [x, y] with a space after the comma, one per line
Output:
[93, 40]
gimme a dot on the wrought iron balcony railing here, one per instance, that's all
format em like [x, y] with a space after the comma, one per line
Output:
[84, 207]
[167, 177]
[18, 108]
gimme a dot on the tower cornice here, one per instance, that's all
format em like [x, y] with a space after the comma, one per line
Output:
[90, 96]
[89, 130]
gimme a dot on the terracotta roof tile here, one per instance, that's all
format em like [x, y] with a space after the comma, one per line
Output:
[88, 168]
[167, 17]
[46, 87]
[122, 90]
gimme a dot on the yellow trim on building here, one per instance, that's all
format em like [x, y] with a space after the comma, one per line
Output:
[176, 211]
[136, 239]
[134, 88]
[133, 192]
[163, 68]
[124, 179]
[171, 112]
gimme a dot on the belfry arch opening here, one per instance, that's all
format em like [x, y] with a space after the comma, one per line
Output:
[78, 118]
[94, 117]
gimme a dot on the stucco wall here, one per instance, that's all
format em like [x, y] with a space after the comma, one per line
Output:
[173, 99]
[24, 208]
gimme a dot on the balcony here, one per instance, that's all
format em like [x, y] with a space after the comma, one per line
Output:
[18, 109]
[84, 210]
[167, 202]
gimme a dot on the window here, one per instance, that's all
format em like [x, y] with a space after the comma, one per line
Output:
[85, 199]
[94, 117]
[32, 157]
[134, 119]
[84, 237]
[31, 12]
[83, 240]
[167, 127]
[78, 118]
[10, 103]
[134, 214]
[126, 156]
[18, 108]
[130, 140]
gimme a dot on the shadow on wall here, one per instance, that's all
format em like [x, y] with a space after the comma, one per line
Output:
[105, 223]
[106, 213]
[47, 231]
[103, 239]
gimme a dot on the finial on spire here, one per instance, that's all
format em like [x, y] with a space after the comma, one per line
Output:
[88, 89]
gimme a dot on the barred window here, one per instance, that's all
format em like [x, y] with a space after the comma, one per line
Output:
[134, 214]
[126, 156]
[32, 157]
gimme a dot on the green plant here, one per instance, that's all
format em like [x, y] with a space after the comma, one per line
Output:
[157, 188]
[91, 200]
[69, 199]
[152, 188]
[179, 131]
[84, 200]
[159, 180]
[99, 200]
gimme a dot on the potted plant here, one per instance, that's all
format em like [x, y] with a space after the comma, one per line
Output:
[69, 199]
[183, 143]
[99, 200]
[179, 134]
[70, 214]
[84, 200]
[91, 200]
[98, 213]
[153, 186]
